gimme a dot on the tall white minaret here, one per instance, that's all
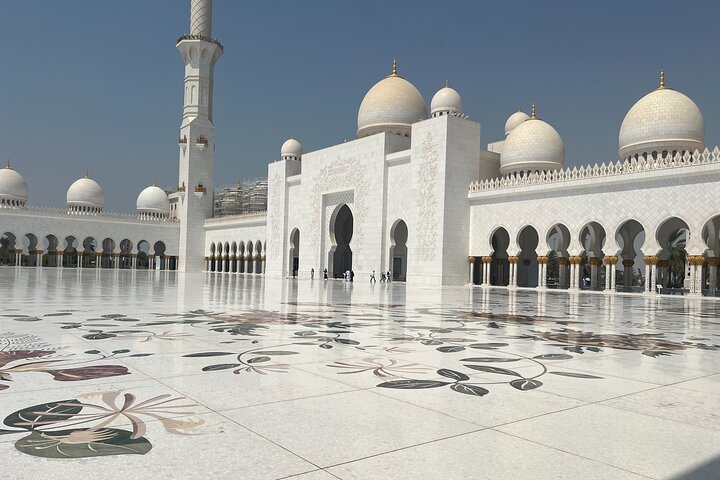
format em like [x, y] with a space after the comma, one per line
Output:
[197, 135]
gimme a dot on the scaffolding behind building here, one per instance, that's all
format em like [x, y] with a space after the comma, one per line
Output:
[248, 196]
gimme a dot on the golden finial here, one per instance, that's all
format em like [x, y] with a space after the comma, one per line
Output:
[7, 163]
[519, 108]
[394, 68]
[662, 79]
[87, 174]
[532, 112]
[154, 183]
[447, 84]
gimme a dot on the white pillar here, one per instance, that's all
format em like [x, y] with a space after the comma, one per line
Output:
[471, 264]
[653, 275]
[647, 277]
[513, 271]
[712, 273]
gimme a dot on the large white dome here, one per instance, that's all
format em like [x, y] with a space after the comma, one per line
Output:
[446, 101]
[532, 146]
[391, 105]
[85, 194]
[514, 120]
[153, 200]
[291, 150]
[13, 188]
[664, 120]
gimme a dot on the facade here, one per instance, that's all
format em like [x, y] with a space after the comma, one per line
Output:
[414, 195]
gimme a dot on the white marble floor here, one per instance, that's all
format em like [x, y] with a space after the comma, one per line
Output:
[154, 375]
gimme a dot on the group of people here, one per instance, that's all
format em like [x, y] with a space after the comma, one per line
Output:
[349, 276]
[383, 277]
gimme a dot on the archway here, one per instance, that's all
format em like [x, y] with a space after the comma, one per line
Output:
[30, 246]
[630, 237]
[558, 239]
[592, 239]
[672, 235]
[241, 257]
[143, 260]
[527, 268]
[89, 248]
[70, 253]
[294, 253]
[398, 251]
[7, 249]
[108, 248]
[159, 253]
[126, 247]
[50, 243]
[341, 232]
[258, 255]
[499, 271]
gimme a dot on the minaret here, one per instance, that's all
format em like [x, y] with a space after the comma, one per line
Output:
[197, 135]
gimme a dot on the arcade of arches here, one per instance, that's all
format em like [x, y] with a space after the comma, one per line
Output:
[670, 258]
[236, 257]
[30, 250]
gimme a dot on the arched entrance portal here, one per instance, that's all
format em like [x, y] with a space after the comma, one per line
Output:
[341, 231]
[398, 251]
[294, 256]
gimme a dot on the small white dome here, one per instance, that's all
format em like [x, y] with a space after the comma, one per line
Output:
[291, 149]
[391, 105]
[532, 146]
[446, 101]
[662, 120]
[13, 188]
[153, 199]
[85, 193]
[514, 120]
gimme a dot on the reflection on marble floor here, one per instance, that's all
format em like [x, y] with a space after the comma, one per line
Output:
[350, 380]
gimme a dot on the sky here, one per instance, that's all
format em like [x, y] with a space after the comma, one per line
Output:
[98, 84]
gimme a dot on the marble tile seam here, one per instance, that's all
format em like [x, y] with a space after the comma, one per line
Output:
[574, 454]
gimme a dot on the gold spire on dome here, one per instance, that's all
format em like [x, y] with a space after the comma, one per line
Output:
[87, 174]
[7, 163]
[154, 183]
[662, 80]
[394, 69]
[532, 113]
[447, 85]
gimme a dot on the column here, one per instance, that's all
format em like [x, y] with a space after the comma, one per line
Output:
[133, 258]
[39, 254]
[542, 272]
[98, 260]
[116, 260]
[594, 272]
[651, 279]
[712, 273]
[486, 262]
[610, 262]
[60, 259]
[628, 272]
[471, 264]
[513, 261]
[562, 272]
[575, 262]
[18, 258]
[80, 256]
[263, 264]
[696, 262]
[648, 273]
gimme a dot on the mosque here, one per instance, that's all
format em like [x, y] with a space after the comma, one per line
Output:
[415, 195]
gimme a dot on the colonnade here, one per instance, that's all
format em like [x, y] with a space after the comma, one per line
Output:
[231, 263]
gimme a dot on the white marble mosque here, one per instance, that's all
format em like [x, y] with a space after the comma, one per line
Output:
[415, 195]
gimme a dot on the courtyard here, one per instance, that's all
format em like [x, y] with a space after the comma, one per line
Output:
[153, 374]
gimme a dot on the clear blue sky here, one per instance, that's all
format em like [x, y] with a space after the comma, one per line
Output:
[98, 84]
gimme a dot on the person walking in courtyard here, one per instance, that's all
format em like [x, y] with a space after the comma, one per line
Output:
[372, 277]
[312, 273]
[325, 274]
[388, 276]
[382, 277]
[352, 275]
